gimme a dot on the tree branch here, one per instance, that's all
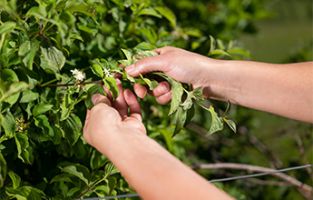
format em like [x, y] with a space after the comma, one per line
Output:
[303, 188]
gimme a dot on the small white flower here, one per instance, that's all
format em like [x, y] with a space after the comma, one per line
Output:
[78, 75]
[107, 73]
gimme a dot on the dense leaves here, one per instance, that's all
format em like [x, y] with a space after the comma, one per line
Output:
[55, 54]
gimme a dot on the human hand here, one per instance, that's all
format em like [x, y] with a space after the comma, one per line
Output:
[179, 64]
[109, 121]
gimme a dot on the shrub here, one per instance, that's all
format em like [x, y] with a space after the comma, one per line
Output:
[52, 56]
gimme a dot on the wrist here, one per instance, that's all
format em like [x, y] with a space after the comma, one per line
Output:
[222, 80]
[119, 143]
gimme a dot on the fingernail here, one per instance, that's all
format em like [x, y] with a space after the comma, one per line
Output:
[130, 69]
[127, 92]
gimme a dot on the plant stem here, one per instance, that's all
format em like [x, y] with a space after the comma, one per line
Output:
[68, 84]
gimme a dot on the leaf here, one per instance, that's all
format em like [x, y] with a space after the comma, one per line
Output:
[24, 48]
[8, 123]
[61, 178]
[41, 108]
[73, 128]
[151, 84]
[231, 124]
[7, 27]
[149, 11]
[42, 122]
[72, 169]
[29, 96]
[187, 104]
[16, 180]
[3, 170]
[96, 88]
[168, 14]
[25, 193]
[127, 53]
[28, 60]
[110, 83]
[97, 160]
[97, 70]
[177, 93]
[11, 96]
[179, 119]
[24, 150]
[51, 60]
[216, 123]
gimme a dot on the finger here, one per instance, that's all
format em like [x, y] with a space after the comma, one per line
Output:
[162, 88]
[136, 116]
[164, 99]
[140, 90]
[146, 65]
[98, 98]
[120, 104]
[132, 102]
[108, 93]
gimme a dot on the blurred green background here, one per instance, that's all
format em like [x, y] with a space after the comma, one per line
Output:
[284, 33]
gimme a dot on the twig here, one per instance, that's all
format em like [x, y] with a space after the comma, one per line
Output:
[72, 84]
[261, 147]
[303, 188]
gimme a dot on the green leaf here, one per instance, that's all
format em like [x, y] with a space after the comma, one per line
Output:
[7, 27]
[41, 108]
[97, 160]
[8, 123]
[3, 170]
[216, 123]
[42, 122]
[28, 60]
[73, 128]
[24, 48]
[61, 178]
[16, 180]
[149, 11]
[187, 104]
[128, 54]
[179, 119]
[51, 60]
[152, 84]
[110, 83]
[231, 124]
[24, 150]
[177, 93]
[29, 96]
[97, 70]
[12, 95]
[96, 88]
[72, 169]
[168, 14]
[25, 193]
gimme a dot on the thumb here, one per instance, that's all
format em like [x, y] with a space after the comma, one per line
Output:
[146, 65]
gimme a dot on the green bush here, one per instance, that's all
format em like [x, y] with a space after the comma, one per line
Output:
[44, 43]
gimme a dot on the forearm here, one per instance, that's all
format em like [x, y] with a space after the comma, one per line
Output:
[283, 89]
[154, 173]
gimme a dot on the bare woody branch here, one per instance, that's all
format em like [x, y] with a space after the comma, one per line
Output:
[304, 189]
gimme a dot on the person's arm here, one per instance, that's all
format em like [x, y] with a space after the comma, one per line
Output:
[148, 168]
[283, 89]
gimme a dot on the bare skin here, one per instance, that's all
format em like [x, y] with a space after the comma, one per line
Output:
[152, 171]
[282, 89]
[116, 130]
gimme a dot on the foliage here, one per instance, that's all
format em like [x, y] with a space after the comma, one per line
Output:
[54, 54]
